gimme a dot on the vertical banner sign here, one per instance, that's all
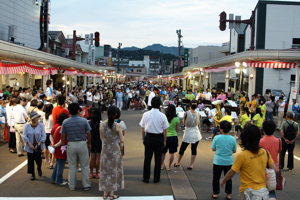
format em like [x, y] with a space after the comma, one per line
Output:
[186, 57]
[87, 39]
[110, 62]
[293, 95]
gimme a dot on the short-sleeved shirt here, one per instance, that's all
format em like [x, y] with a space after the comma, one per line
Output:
[244, 119]
[224, 146]
[154, 121]
[190, 97]
[271, 143]
[226, 118]
[259, 120]
[252, 169]
[253, 106]
[57, 111]
[172, 127]
[119, 96]
[263, 110]
[56, 138]
[284, 125]
[75, 128]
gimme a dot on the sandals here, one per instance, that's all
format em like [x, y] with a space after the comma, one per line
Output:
[114, 197]
[175, 165]
[104, 196]
[228, 196]
[50, 167]
[169, 169]
[214, 196]
[189, 168]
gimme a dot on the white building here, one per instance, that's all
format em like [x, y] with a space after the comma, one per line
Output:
[277, 28]
[24, 19]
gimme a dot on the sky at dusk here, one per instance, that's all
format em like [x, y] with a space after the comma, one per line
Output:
[143, 22]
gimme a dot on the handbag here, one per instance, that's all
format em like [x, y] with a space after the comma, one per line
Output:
[270, 176]
[279, 178]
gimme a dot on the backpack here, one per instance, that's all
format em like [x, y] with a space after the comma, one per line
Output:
[118, 121]
[290, 132]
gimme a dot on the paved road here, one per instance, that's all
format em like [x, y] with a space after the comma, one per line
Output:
[19, 185]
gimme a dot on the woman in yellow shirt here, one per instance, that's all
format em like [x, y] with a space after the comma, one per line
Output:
[259, 118]
[243, 120]
[251, 163]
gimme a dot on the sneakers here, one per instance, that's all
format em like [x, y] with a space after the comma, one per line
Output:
[209, 138]
[87, 188]
[63, 183]
[290, 170]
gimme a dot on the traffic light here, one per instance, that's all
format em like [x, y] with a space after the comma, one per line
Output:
[223, 17]
[97, 39]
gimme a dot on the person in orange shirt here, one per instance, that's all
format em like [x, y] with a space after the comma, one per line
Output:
[253, 106]
[59, 109]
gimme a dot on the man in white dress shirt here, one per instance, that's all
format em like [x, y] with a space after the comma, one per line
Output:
[154, 134]
[151, 96]
[20, 116]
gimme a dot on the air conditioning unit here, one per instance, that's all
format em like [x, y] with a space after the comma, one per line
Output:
[296, 46]
[12, 32]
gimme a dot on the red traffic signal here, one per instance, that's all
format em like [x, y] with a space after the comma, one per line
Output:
[223, 17]
[97, 39]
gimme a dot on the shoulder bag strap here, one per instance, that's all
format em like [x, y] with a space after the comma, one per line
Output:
[56, 130]
[279, 162]
[268, 158]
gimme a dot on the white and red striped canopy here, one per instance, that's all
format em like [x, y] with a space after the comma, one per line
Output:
[275, 65]
[23, 67]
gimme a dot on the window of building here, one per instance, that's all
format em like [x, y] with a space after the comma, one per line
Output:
[132, 70]
[296, 40]
[132, 65]
[293, 77]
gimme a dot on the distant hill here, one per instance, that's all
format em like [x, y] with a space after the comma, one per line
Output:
[157, 47]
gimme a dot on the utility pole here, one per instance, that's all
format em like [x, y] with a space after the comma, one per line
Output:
[75, 39]
[119, 54]
[179, 49]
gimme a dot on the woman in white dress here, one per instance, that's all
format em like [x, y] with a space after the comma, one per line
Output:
[192, 134]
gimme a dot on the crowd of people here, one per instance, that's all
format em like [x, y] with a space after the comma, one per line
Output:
[54, 126]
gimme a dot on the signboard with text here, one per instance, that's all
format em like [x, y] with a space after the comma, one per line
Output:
[186, 57]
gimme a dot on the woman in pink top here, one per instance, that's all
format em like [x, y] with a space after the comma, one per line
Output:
[213, 97]
[272, 144]
[222, 96]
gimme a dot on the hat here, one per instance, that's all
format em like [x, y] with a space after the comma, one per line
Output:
[34, 115]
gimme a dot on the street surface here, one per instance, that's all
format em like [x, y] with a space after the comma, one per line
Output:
[200, 178]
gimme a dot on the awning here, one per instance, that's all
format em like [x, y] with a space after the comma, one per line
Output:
[270, 64]
[23, 67]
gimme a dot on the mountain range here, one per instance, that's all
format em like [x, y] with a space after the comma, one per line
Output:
[157, 47]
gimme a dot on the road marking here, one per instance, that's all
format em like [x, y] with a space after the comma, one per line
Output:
[180, 183]
[88, 198]
[294, 156]
[12, 172]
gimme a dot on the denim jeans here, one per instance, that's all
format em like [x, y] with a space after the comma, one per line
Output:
[57, 175]
[269, 116]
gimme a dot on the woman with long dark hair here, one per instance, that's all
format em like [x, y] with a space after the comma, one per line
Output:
[251, 163]
[96, 144]
[111, 167]
[192, 135]
[48, 123]
[172, 139]
[246, 116]
[259, 118]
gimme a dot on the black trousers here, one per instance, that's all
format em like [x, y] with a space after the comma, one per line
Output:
[128, 103]
[207, 122]
[217, 171]
[154, 143]
[31, 157]
[12, 140]
[184, 145]
[290, 148]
